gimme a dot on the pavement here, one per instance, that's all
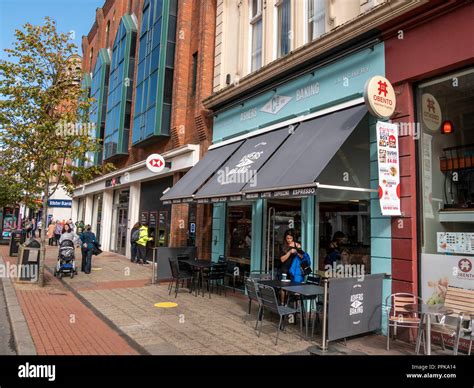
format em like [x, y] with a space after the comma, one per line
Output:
[113, 311]
[7, 345]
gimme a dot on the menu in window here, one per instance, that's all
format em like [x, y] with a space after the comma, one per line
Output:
[144, 218]
[152, 220]
[462, 243]
[389, 168]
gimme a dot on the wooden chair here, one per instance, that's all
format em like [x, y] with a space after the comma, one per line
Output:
[399, 316]
[460, 323]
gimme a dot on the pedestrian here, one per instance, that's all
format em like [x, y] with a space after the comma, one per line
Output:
[88, 240]
[142, 242]
[134, 236]
[58, 228]
[39, 225]
[68, 234]
[50, 232]
[28, 228]
[71, 224]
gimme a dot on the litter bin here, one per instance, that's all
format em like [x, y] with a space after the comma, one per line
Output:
[16, 238]
[28, 260]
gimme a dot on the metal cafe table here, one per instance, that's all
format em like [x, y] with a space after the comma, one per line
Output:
[305, 291]
[199, 266]
[426, 311]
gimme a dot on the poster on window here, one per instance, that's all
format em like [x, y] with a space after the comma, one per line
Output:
[389, 168]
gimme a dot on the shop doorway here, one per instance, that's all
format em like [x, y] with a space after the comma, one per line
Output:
[282, 215]
[120, 221]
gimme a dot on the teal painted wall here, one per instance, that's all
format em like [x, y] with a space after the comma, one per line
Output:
[257, 248]
[218, 230]
[339, 81]
[380, 226]
[308, 232]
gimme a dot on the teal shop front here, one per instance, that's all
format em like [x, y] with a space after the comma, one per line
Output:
[326, 193]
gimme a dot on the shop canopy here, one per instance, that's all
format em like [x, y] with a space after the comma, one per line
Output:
[279, 163]
[194, 178]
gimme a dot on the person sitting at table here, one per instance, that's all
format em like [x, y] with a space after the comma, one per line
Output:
[287, 254]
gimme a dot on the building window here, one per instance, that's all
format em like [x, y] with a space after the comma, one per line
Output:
[117, 126]
[446, 115]
[195, 67]
[256, 24]
[155, 70]
[107, 34]
[316, 18]
[99, 92]
[283, 27]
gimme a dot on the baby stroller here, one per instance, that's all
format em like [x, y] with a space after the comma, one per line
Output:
[66, 260]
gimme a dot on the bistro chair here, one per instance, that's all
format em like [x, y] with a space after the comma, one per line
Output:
[215, 276]
[399, 316]
[252, 292]
[270, 303]
[179, 275]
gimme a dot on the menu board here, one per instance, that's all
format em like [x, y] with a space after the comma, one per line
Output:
[455, 243]
[389, 168]
[152, 219]
[144, 218]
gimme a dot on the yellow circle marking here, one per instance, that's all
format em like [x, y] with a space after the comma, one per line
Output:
[166, 305]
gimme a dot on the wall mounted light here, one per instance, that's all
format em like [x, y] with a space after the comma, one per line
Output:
[447, 127]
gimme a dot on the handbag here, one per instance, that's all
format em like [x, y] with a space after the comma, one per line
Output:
[95, 249]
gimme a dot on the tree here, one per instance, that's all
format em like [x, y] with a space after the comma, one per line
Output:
[41, 108]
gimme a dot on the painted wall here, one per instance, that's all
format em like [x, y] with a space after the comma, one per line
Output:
[339, 81]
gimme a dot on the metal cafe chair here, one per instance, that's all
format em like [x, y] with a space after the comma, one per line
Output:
[178, 276]
[216, 276]
[399, 316]
[270, 303]
[252, 292]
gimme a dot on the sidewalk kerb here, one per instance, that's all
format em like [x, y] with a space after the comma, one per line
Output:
[21, 333]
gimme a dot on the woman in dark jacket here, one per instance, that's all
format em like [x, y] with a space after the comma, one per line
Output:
[88, 240]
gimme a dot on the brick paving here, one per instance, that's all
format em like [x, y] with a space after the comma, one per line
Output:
[61, 324]
[122, 293]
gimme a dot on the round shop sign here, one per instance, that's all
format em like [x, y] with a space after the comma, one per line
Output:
[379, 97]
[430, 112]
[155, 163]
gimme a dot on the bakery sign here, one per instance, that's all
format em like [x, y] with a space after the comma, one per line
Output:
[379, 97]
[389, 168]
[430, 112]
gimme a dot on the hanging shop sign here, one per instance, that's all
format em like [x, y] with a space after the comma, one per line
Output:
[113, 182]
[289, 193]
[155, 163]
[379, 97]
[430, 112]
[389, 168]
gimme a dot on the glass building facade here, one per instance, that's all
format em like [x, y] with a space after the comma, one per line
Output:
[119, 101]
[99, 92]
[153, 96]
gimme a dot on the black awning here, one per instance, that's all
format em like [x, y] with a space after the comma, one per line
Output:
[306, 152]
[200, 173]
[243, 166]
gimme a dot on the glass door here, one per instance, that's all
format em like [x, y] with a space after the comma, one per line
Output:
[122, 223]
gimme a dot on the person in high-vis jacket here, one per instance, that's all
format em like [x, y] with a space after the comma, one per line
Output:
[141, 244]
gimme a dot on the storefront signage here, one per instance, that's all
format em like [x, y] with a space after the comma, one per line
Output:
[59, 203]
[112, 182]
[155, 163]
[439, 271]
[276, 104]
[380, 97]
[176, 201]
[236, 198]
[203, 200]
[152, 219]
[144, 218]
[218, 199]
[389, 168]
[430, 112]
[290, 193]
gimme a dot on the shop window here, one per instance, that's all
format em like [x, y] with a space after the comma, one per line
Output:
[256, 25]
[283, 27]
[238, 239]
[316, 25]
[446, 163]
[344, 231]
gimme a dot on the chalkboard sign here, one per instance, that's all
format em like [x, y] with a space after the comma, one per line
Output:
[152, 219]
[144, 218]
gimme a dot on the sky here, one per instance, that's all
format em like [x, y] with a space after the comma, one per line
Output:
[70, 15]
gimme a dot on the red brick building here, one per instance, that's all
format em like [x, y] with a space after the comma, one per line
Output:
[167, 48]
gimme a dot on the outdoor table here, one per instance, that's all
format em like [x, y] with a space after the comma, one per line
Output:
[277, 283]
[199, 265]
[305, 291]
[426, 310]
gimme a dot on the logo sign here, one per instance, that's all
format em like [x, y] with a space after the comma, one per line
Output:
[430, 112]
[155, 163]
[465, 265]
[276, 104]
[379, 97]
[59, 203]
[389, 169]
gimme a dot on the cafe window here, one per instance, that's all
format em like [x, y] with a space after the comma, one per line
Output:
[445, 109]
[344, 228]
[239, 231]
